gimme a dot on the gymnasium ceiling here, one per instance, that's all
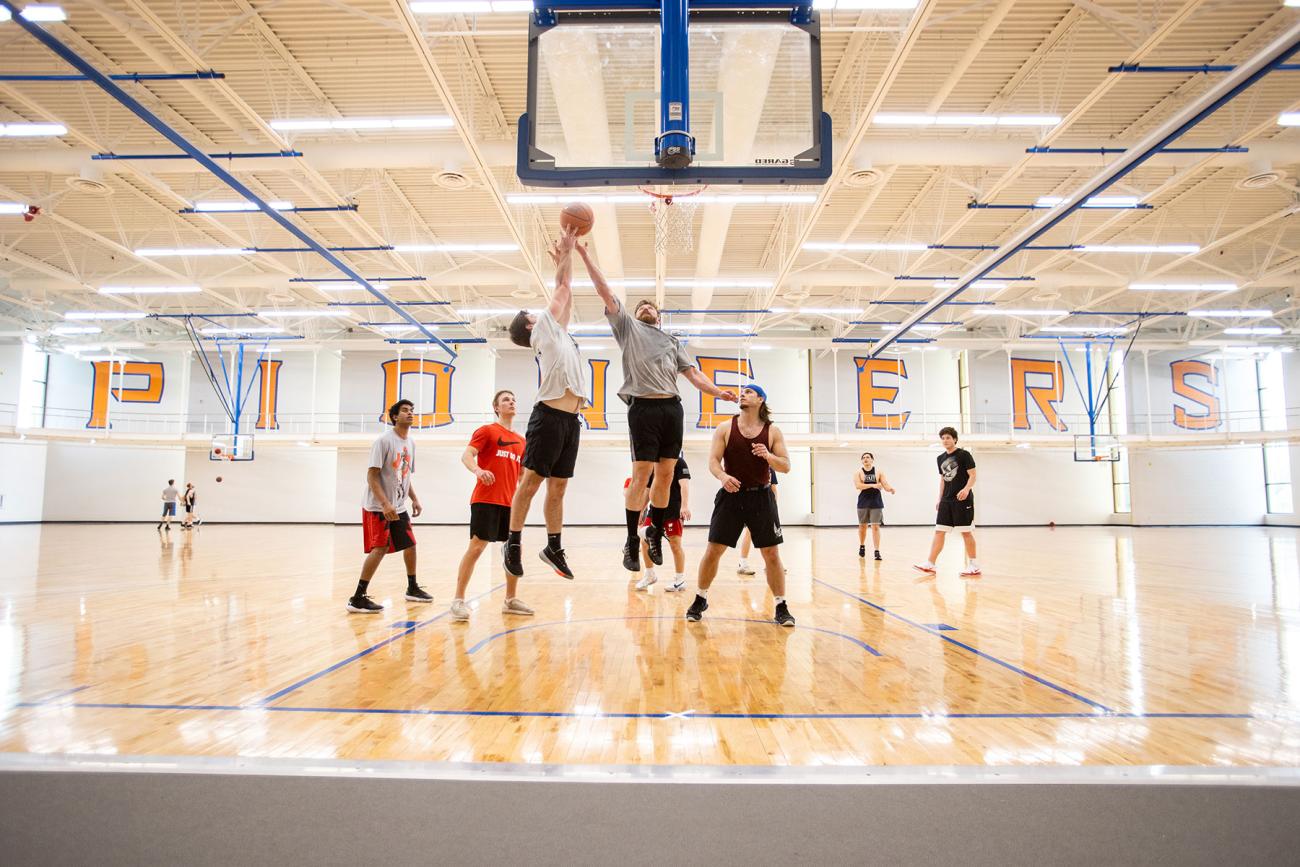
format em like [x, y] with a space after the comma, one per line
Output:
[287, 59]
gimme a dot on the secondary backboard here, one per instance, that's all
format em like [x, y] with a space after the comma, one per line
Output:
[752, 106]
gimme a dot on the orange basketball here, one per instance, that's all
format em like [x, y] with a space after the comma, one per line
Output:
[218, 478]
[216, 450]
[579, 216]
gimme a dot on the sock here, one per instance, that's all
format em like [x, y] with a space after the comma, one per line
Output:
[553, 541]
[700, 591]
[742, 563]
[649, 571]
[780, 600]
[460, 599]
[679, 578]
[633, 518]
[411, 583]
[657, 514]
[515, 537]
[362, 586]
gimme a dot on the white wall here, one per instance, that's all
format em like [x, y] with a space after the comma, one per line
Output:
[284, 485]
[108, 482]
[22, 480]
[1223, 485]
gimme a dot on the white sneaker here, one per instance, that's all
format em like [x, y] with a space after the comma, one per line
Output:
[924, 567]
[743, 568]
[516, 606]
[459, 610]
[647, 579]
[678, 585]
[971, 569]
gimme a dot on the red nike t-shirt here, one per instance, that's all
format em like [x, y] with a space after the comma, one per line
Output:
[501, 452]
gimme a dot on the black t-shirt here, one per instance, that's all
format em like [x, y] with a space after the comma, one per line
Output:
[955, 470]
[681, 471]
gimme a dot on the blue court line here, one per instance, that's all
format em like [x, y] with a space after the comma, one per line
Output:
[1044, 681]
[275, 696]
[258, 708]
[867, 647]
[63, 693]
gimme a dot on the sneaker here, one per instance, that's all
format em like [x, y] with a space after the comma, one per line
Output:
[459, 610]
[744, 568]
[555, 559]
[862, 550]
[697, 609]
[512, 557]
[878, 557]
[654, 541]
[677, 586]
[971, 569]
[783, 617]
[631, 555]
[924, 567]
[646, 580]
[516, 606]
[364, 605]
[417, 594]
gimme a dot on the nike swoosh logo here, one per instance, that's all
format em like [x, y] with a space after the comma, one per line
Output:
[502, 443]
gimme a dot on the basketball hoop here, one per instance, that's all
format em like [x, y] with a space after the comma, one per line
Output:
[674, 215]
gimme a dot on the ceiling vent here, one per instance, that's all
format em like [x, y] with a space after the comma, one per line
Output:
[862, 178]
[1259, 176]
[452, 179]
[89, 184]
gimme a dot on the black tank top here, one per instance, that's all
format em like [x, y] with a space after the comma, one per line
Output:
[739, 460]
[870, 499]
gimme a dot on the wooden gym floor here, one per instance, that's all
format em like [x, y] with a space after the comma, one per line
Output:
[1078, 646]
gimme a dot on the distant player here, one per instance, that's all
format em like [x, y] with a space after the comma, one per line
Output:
[494, 455]
[169, 497]
[652, 361]
[385, 522]
[869, 483]
[956, 505]
[679, 511]
[553, 428]
[745, 450]
[746, 539]
[188, 500]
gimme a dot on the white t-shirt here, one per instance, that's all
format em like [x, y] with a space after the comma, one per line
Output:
[170, 494]
[395, 458]
[558, 359]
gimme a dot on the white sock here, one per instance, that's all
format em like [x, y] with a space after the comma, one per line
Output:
[679, 578]
[700, 591]
[649, 571]
[458, 599]
[780, 599]
[971, 563]
[742, 564]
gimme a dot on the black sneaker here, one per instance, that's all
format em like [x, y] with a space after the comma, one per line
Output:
[554, 557]
[878, 557]
[512, 557]
[783, 617]
[364, 605]
[631, 552]
[862, 550]
[654, 540]
[697, 609]
[417, 594]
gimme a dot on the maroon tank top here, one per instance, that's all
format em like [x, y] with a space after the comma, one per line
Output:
[739, 460]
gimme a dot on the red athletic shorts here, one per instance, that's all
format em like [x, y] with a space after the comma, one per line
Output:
[380, 533]
[672, 527]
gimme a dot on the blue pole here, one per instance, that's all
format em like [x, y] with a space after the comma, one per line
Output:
[189, 156]
[674, 147]
[130, 76]
[239, 387]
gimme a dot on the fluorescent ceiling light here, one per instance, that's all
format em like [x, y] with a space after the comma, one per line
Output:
[724, 326]
[361, 123]
[1138, 248]
[402, 326]
[1290, 118]
[864, 4]
[719, 283]
[148, 290]
[818, 311]
[160, 252]
[1255, 329]
[470, 7]
[978, 284]
[43, 13]
[252, 329]
[28, 130]
[485, 311]
[104, 314]
[1085, 329]
[455, 248]
[304, 313]
[223, 207]
[911, 119]
[920, 326]
[64, 330]
[1091, 202]
[110, 357]
[642, 199]
[12, 208]
[1227, 314]
[865, 247]
[1005, 311]
[1183, 287]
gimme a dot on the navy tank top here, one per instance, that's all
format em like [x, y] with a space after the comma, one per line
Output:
[873, 498]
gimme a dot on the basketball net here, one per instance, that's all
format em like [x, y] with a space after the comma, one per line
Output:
[674, 214]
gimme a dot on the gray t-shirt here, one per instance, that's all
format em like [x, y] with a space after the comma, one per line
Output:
[170, 494]
[394, 457]
[559, 361]
[652, 359]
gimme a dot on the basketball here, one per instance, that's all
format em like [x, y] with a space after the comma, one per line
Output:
[216, 450]
[218, 478]
[577, 216]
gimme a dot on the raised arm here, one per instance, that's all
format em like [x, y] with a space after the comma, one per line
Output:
[561, 253]
[598, 279]
[697, 378]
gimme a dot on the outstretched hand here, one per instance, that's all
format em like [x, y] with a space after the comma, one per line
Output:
[727, 395]
[562, 246]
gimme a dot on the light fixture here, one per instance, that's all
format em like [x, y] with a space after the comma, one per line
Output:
[1137, 248]
[1091, 202]
[65, 330]
[868, 247]
[455, 248]
[723, 326]
[1183, 287]
[226, 207]
[485, 311]
[31, 130]
[879, 5]
[909, 119]
[1255, 329]
[104, 314]
[717, 283]
[470, 7]
[110, 357]
[642, 198]
[403, 326]
[1008, 311]
[920, 326]
[291, 313]
[1290, 118]
[1227, 314]
[161, 252]
[1085, 329]
[361, 123]
[41, 13]
[12, 208]
[252, 329]
[978, 284]
[818, 311]
[148, 290]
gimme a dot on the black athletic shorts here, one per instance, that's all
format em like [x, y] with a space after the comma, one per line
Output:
[955, 514]
[551, 442]
[489, 521]
[655, 424]
[754, 508]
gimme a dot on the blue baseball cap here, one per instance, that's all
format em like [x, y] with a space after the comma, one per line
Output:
[756, 388]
